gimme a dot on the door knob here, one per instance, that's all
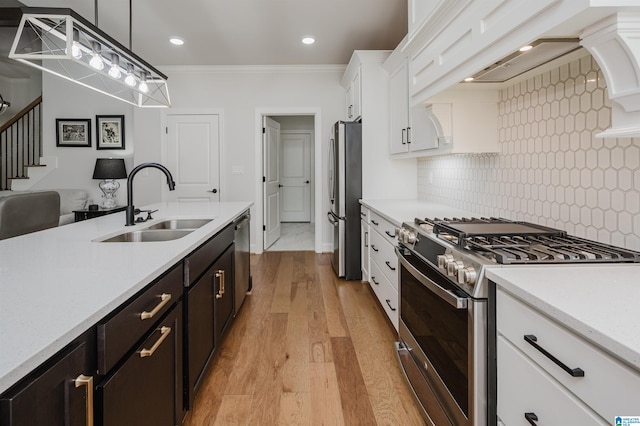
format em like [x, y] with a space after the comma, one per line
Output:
[214, 190]
[307, 182]
[280, 185]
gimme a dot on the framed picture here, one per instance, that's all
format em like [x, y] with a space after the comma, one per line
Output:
[110, 131]
[73, 132]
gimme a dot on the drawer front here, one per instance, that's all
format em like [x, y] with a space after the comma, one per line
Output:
[364, 213]
[385, 256]
[202, 257]
[386, 293]
[608, 386]
[147, 388]
[119, 333]
[523, 387]
[384, 227]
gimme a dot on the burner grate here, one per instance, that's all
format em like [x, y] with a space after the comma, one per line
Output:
[547, 249]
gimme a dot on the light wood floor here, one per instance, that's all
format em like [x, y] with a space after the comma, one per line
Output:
[306, 348]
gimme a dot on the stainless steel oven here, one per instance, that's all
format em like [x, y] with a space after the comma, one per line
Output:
[447, 314]
[443, 341]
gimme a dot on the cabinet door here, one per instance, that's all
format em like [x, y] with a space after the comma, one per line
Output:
[60, 396]
[200, 329]
[349, 102]
[147, 388]
[223, 289]
[357, 97]
[364, 249]
[399, 110]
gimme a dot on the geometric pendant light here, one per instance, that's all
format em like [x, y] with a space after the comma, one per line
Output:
[61, 42]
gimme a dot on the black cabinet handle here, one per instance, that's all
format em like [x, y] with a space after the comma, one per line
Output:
[531, 418]
[573, 372]
[389, 303]
[374, 248]
[402, 137]
[389, 265]
[374, 281]
[374, 222]
[390, 234]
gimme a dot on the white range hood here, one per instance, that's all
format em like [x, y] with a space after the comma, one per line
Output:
[614, 42]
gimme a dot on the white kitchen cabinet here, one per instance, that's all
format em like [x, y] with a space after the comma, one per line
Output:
[364, 242]
[382, 176]
[419, 11]
[466, 119]
[383, 264]
[545, 368]
[411, 130]
[354, 98]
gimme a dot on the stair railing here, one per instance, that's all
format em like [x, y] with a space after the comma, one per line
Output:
[20, 143]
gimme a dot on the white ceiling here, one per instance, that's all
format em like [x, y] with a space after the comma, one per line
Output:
[247, 32]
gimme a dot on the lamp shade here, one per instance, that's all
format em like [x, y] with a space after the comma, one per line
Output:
[109, 168]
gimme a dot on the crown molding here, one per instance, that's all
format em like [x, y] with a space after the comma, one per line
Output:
[252, 69]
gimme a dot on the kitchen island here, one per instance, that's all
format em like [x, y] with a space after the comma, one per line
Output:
[56, 284]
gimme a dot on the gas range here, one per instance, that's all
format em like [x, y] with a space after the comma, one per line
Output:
[463, 248]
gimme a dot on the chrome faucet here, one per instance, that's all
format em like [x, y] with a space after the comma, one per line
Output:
[131, 210]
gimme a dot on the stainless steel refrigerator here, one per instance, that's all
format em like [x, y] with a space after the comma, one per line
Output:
[345, 191]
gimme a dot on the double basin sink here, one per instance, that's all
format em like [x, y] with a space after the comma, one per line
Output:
[167, 230]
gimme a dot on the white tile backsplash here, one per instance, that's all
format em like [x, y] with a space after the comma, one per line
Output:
[551, 169]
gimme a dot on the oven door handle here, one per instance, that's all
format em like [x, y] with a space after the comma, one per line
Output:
[447, 295]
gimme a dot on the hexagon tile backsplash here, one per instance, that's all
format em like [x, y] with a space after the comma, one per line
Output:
[552, 170]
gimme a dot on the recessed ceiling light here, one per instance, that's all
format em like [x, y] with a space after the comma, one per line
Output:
[308, 39]
[469, 79]
[525, 48]
[177, 41]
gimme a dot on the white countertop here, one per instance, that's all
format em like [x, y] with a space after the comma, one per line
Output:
[56, 284]
[599, 302]
[398, 211]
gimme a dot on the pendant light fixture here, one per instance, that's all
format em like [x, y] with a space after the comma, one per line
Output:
[4, 105]
[61, 42]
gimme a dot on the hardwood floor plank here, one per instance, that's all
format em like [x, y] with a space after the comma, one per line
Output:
[356, 407]
[336, 321]
[326, 408]
[319, 337]
[235, 410]
[295, 409]
[282, 294]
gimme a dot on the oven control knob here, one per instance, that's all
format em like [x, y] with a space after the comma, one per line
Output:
[410, 237]
[467, 275]
[454, 267]
[444, 260]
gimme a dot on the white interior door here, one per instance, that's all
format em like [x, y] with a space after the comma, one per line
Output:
[193, 157]
[295, 177]
[271, 167]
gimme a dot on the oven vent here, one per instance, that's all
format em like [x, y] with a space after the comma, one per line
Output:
[542, 51]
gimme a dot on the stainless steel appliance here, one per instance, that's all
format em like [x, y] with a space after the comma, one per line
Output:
[345, 191]
[447, 312]
[242, 260]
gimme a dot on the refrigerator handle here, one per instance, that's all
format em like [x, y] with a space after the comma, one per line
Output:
[332, 219]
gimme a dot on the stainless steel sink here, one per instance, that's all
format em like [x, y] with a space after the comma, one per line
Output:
[148, 235]
[180, 224]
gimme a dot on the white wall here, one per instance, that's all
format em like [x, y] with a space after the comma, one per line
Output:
[19, 92]
[62, 99]
[240, 93]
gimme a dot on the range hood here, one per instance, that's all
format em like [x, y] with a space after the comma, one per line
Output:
[542, 51]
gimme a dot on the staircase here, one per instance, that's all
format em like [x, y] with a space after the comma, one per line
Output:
[21, 145]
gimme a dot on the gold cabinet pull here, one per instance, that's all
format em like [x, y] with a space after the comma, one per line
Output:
[220, 274]
[87, 381]
[164, 332]
[164, 299]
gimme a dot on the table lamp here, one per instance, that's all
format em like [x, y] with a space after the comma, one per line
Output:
[109, 169]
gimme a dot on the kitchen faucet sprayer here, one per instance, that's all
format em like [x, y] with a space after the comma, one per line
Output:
[130, 211]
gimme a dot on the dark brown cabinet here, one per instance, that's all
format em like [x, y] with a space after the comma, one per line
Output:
[146, 389]
[210, 311]
[59, 393]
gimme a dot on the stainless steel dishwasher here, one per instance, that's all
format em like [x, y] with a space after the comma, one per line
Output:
[242, 260]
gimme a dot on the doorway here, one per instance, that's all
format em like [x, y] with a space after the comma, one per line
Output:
[290, 166]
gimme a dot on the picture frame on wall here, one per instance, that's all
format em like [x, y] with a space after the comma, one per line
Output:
[110, 131]
[73, 132]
